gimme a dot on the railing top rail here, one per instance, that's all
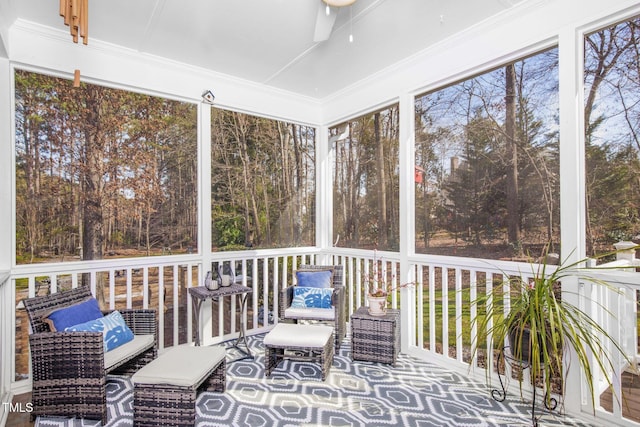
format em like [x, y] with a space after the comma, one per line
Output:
[155, 261]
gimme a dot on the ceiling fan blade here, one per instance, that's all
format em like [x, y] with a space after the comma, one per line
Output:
[324, 23]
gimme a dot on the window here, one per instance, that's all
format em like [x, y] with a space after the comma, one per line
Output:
[365, 177]
[262, 182]
[486, 167]
[612, 135]
[102, 172]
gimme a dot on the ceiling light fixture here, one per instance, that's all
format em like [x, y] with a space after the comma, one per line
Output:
[339, 3]
[76, 16]
[336, 3]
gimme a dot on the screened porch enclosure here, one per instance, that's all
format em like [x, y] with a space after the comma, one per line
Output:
[447, 165]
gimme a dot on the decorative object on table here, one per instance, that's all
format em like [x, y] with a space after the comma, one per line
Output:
[326, 280]
[380, 283]
[377, 304]
[209, 283]
[540, 327]
[226, 275]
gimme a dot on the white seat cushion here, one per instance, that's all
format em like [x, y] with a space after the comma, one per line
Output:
[135, 346]
[290, 335]
[182, 365]
[310, 313]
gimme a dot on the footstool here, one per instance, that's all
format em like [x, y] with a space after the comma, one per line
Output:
[308, 343]
[165, 389]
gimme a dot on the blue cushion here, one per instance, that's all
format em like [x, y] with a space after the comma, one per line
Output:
[311, 297]
[315, 279]
[113, 327]
[74, 314]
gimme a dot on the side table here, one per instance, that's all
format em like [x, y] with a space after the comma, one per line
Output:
[375, 338]
[201, 293]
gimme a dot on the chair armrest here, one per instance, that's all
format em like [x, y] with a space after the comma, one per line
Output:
[141, 322]
[337, 300]
[56, 355]
[284, 302]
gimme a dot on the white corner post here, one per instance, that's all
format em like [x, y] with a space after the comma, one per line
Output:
[408, 303]
[204, 208]
[572, 188]
[324, 195]
[7, 237]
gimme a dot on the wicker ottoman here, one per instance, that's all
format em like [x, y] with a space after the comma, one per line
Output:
[308, 343]
[165, 390]
[375, 338]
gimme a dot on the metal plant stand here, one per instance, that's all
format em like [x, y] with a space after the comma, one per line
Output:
[550, 402]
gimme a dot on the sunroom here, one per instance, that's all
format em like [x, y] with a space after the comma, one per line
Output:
[444, 144]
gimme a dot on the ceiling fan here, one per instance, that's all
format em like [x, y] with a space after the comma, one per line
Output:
[326, 17]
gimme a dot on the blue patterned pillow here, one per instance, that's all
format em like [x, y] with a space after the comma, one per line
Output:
[115, 331]
[311, 297]
[315, 278]
[73, 315]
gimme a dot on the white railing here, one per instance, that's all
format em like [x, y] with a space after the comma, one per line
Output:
[617, 311]
[450, 284]
[441, 285]
[159, 283]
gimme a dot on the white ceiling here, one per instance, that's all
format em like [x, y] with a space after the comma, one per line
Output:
[271, 41]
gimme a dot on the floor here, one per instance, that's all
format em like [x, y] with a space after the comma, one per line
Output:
[630, 397]
[20, 418]
[355, 393]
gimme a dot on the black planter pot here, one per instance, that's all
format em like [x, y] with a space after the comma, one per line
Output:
[520, 344]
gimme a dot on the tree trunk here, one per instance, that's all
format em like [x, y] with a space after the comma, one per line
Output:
[383, 226]
[92, 226]
[513, 216]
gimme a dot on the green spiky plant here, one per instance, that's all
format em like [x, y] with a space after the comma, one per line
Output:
[537, 310]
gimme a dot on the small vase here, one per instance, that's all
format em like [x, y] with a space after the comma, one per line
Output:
[377, 306]
[226, 280]
[209, 283]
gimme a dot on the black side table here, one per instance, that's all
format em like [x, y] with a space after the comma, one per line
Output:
[201, 293]
[375, 338]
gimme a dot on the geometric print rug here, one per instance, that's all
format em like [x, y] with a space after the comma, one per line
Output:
[413, 393]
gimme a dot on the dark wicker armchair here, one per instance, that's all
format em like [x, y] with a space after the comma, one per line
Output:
[337, 317]
[69, 369]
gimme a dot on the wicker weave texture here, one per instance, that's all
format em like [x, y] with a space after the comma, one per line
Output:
[323, 356]
[172, 405]
[67, 368]
[375, 338]
[339, 322]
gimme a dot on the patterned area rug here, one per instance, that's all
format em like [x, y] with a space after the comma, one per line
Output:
[413, 393]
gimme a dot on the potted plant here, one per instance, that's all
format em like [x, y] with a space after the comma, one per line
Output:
[380, 283]
[540, 326]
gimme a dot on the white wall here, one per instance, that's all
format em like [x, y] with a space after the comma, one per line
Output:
[34, 46]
